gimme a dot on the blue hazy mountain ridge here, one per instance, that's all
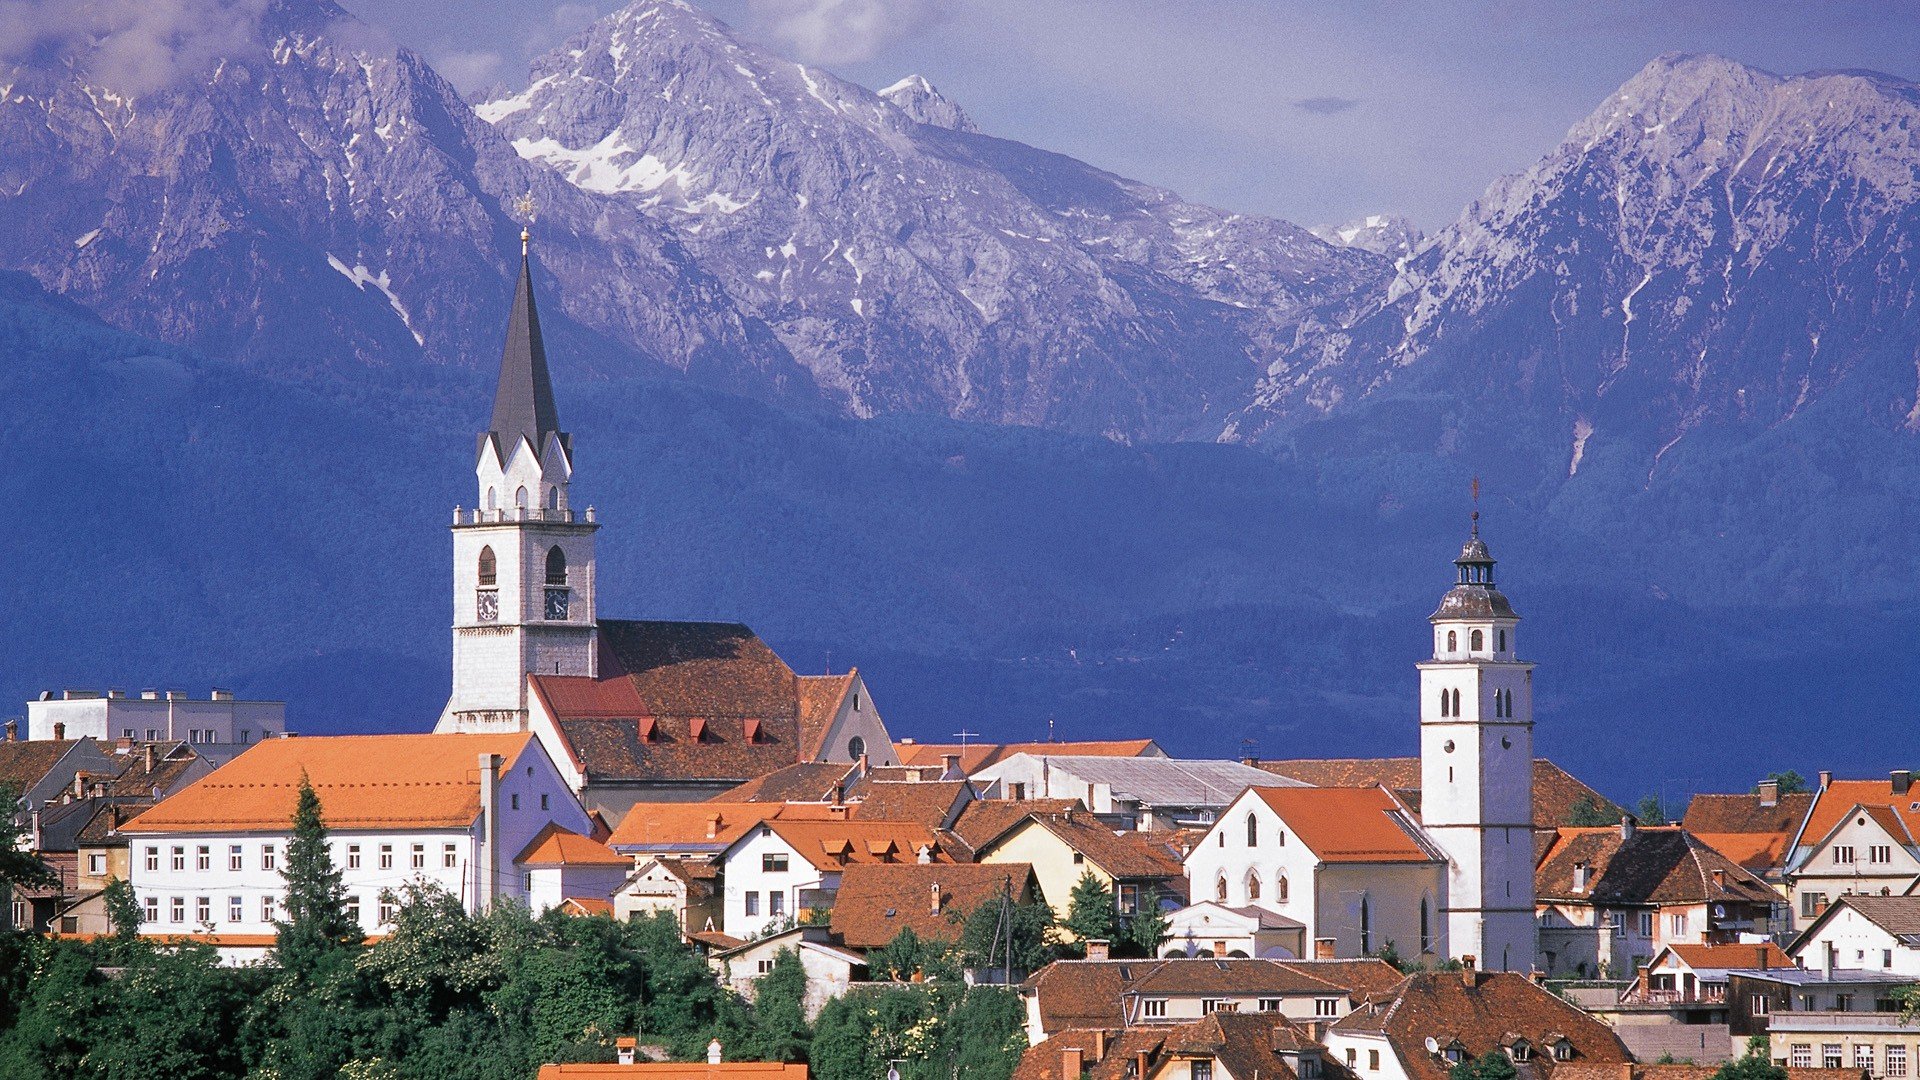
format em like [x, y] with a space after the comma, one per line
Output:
[1679, 351]
[199, 523]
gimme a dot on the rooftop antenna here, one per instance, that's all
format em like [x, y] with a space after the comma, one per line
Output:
[529, 212]
[1476, 506]
[1049, 727]
[963, 735]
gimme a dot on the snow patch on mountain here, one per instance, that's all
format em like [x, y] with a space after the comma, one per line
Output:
[363, 277]
[916, 97]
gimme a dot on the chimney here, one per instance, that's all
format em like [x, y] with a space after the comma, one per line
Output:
[1142, 1058]
[863, 765]
[1323, 948]
[80, 784]
[33, 827]
[489, 822]
[624, 1047]
[713, 826]
[1100, 1046]
[924, 856]
[123, 745]
[1098, 948]
[1250, 762]
[13, 731]
[59, 731]
[950, 767]
[839, 792]
[933, 900]
[1720, 880]
[1762, 950]
[1826, 778]
[149, 695]
[1828, 952]
[177, 695]
[713, 1052]
[147, 752]
[221, 695]
[1902, 780]
[1626, 826]
[1072, 1063]
[1537, 977]
[1580, 872]
[1769, 793]
[1466, 970]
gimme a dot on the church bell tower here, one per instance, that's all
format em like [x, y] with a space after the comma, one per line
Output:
[523, 564]
[1476, 766]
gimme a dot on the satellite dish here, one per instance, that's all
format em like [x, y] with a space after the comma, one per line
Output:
[1433, 1045]
[1719, 911]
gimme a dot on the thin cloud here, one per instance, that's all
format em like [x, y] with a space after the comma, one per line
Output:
[132, 46]
[470, 71]
[1325, 106]
[842, 31]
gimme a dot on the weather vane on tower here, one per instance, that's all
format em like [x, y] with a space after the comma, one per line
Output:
[528, 211]
[1476, 506]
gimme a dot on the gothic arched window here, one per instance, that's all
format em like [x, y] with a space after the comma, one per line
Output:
[1479, 641]
[493, 498]
[489, 567]
[1503, 641]
[1253, 831]
[1253, 886]
[1366, 924]
[520, 497]
[1426, 928]
[553, 498]
[556, 566]
[1453, 641]
[1456, 703]
[1446, 703]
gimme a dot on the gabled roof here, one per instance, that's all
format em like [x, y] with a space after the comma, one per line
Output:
[1361, 978]
[1482, 1011]
[1898, 916]
[1556, 792]
[555, 846]
[876, 901]
[363, 781]
[156, 775]
[1043, 1060]
[806, 781]
[933, 803]
[1759, 852]
[820, 699]
[1712, 958]
[1084, 993]
[1222, 977]
[1347, 825]
[709, 827]
[1661, 864]
[1248, 1046]
[24, 764]
[1094, 993]
[1832, 803]
[1749, 813]
[832, 845]
[977, 756]
[1123, 855]
[984, 820]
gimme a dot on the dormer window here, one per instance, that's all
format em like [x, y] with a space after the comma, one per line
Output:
[1563, 1051]
[1520, 1051]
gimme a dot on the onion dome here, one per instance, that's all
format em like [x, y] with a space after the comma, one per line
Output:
[1474, 595]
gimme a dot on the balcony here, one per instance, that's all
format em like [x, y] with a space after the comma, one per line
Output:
[1714, 994]
[1838, 1022]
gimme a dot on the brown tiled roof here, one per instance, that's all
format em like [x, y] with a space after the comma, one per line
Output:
[877, 901]
[1715, 813]
[1656, 865]
[1728, 957]
[1229, 976]
[1348, 825]
[977, 756]
[820, 698]
[808, 781]
[678, 700]
[1359, 978]
[1897, 915]
[686, 826]
[1085, 993]
[1580, 1070]
[1761, 853]
[1481, 1011]
[1245, 1044]
[930, 803]
[984, 820]
[1128, 855]
[1043, 1060]
[1555, 791]
[26, 763]
[171, 762]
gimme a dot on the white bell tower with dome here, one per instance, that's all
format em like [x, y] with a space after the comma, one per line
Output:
[523, 561]
[1476, 766]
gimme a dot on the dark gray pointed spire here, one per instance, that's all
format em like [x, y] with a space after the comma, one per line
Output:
[523, 402]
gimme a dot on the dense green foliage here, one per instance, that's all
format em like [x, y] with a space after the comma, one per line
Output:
[1147, 930]
[1493, 1065]
[1753, 1065]
[934, 1030]
[1089, 911]
[1790, 781]
[316, 927]
[1586, 814]
[996, 928]
[1650, 811]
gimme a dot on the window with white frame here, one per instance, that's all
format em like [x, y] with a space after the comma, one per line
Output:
[1896, 1060]
[352, 908]
[236, 909]
[353, 856]
[776, 903]
[386, 856]
[773, 862]
[177, 909]
[153, 859]
[1880, 853]
[96, 863]
[1843, 853]
[235, 860]
[1863, 1057]
[1677, 924]
[202, 858]
[449, 856]
[1326, 1006]
[1269, 1004]
[266, 909]
[1202, 1069]
[1830, 1055]
[762, 967]
[1758, 1005]
[179, 858]
[1646, 924]
[386, 912]
[269, 857]
[1155, 1008]
[1800, 1055]
[418, 855]
[753, 903]
[203, 909]
[149, 909]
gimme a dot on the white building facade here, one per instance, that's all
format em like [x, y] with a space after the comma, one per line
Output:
[219, 719]
[1476, 767]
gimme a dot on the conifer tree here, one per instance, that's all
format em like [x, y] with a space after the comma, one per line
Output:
[1147, 930]
[316, 924]
[1090, 910]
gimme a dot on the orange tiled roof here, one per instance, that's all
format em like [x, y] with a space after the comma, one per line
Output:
[877, 901]
[1832, 802]
[1722, 957]
[829, 845]
[1722, 813]
[1556, 792]
[587, 906]
[1353, 825]
[363, 781]
[555, 846]
[701, 826]
[977, 756]
[1757, 852]
[1482, 1011]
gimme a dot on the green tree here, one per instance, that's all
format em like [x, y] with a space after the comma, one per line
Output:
[1790, 781]
[1089, 911]
[1754, 1065]
[316, 924]
[983, 1035]
[1147, 930]
[123, 910]
[18, 864]
[1586, 814]
[780, 1010]
[900, 958]
[1002, 922]
[1493, 1065]
[1650, 811]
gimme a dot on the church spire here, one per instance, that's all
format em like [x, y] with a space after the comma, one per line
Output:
[523, 401]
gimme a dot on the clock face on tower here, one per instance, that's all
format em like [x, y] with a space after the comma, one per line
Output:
[556, 605]
[486, 605]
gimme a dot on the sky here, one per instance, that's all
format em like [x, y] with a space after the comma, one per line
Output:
[1317, 111]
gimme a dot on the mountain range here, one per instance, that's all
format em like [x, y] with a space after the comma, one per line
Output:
[1021, 437]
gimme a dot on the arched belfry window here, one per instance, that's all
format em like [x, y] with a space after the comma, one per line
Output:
[1456, 704]
[520, 497]
[1479, 641]
[1503, 641]
[553, 498]
[556, 566]
[1253, 831]
[493, 498]
[1453, 641]
[489, 567]
[1446, 703]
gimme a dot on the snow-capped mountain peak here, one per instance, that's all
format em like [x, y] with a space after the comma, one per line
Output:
[918, 98]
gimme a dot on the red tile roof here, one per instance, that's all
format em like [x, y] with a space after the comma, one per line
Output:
[1347, 825]
[820, 700]
[363, 781]
[678, 1070]
[1717, 813]
[706, 827]
[1661, 864]
[1125, 855]
[830, 845]
[1726, 957]
[1760, 853]
[1555, 791]
[1482, 1011]
[555, 846]
[876, 901]
[1831, 804]
[931, 802]
[984, 820]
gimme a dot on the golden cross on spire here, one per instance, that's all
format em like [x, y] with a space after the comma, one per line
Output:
[528, 211]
